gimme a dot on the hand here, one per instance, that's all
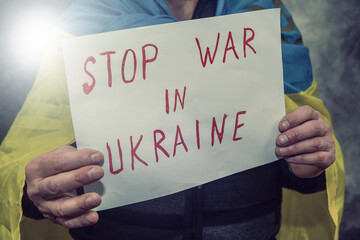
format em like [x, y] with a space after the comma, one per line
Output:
[305, 142]
[52, 179]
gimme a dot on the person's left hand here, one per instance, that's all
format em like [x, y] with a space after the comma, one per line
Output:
[305, 142]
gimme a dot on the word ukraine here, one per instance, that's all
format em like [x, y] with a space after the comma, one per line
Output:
[178, 141]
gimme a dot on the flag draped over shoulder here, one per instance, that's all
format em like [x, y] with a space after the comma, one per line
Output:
[44, 122]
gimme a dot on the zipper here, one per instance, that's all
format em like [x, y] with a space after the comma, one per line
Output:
[193, 214]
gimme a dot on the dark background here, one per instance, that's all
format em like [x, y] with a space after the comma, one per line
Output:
[330, 29]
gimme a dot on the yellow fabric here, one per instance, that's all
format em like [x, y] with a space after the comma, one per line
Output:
[44, 123]
[314, 216]
[42, 230]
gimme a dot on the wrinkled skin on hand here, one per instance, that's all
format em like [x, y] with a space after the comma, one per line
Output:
[305, 142]
[52, 179]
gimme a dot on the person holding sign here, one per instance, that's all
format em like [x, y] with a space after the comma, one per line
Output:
[246, 205]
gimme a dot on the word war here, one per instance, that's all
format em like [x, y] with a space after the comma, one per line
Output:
[230, 45]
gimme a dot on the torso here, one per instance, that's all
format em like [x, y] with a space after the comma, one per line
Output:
[182, 9]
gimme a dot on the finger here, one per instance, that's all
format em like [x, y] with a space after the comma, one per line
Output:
[61, 161]
[59, 184]
[87, 219]
[70, 207]
[297, 117]
[307, 146]
[307, 130]
[321, 159]
[305, 171]
[34, 167]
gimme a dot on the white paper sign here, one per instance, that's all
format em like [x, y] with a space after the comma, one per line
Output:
[177, 105]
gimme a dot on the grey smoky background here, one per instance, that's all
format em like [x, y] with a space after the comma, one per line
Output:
[330, 29]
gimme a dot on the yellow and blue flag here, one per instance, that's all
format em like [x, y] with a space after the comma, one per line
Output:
[44, 122]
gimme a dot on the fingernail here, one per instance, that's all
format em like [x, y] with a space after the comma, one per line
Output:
[89, 218]
[282, 150]
[93, 173]
[97, 157]
[283, 139]
[90, 202]
[284, 125]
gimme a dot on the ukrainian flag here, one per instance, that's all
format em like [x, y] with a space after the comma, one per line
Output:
[44, 122]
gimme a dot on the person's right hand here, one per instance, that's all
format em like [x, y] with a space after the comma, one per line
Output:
[52, 179]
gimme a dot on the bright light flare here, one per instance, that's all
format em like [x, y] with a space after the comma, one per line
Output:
[30, 35]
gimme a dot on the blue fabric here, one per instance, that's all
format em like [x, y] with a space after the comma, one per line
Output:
[85, 17]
